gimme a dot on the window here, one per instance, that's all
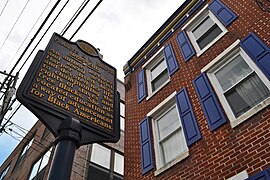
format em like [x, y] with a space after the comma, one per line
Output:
[119, 164]
[24, 152]
[204, 30]
[101, 155]
[169, 140]
[38, 170]
[156, 73]
[122, 116]
[242, 88]
[4, 172]
[105, 163]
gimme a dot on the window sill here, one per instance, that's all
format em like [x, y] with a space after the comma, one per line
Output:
[181, 157]
[153, 93]
[250, 113]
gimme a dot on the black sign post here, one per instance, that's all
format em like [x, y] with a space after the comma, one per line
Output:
[73, 92]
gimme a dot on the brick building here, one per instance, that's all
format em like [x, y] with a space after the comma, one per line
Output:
[198, 95]
[31, 159]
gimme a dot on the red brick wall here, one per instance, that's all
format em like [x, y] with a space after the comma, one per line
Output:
[226, 151]
[38, 148]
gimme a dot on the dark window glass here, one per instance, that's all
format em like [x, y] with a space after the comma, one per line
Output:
[158, 81]
[247, 94]
[209, 36]
[98, 173]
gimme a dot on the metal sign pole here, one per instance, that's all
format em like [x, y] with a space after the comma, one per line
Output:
[66, 144]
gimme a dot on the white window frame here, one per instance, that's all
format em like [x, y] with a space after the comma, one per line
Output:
[217, 64]
[40, 164]
[158, 111]
[4, 172]
[240, 176]
[153, 61]
[201, 15]
[113, 164]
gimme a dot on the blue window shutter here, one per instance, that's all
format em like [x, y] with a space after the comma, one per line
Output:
[141, 86]
[146, 146]
[263, 175]
[190, 126]
[211, 107]
[170, 59]
[222, 12]
[185, 45]
[258, 51]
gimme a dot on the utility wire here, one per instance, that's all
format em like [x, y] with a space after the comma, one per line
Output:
[29, 33]
[14, 24]
[74, 17]
[46, 32]
[4, 8]
[28, 139]
[31, 147]
[3, 126]
[29, 44]
[41, 146]
[34, 141]
[43, 36]
[93, 10]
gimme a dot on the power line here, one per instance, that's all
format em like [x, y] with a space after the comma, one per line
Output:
[31, 147]
[14, 25]
[4, 8]
[29, 33]
[74, 17]
[48, 29]
[42, 146]
[43, 35]
[29, 44]
[93, 10]
[66, 28]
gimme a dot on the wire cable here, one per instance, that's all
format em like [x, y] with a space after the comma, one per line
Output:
[29, 44]
[93, 10]
[14, 25]
[4, 8]
[29, 33]
[43, 36]
[74, 17]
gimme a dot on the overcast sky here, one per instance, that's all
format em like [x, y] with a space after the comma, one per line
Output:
[118, 27]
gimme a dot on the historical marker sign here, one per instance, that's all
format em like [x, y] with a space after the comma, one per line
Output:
[71, 80]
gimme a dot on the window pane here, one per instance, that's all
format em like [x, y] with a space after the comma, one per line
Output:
[233, 72]
[34, 170]
[40, 174]
[168, 123]
[161, 66]
[117, 177]
[209, 36]
[203, 27]
[45, 160]
[160, 80]
[4, 172]
[122, 109]
[119, 164]
[101, 155]
[173, 146]
[247, 94]
[122, 123]
[27, 146]
[97, 173]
